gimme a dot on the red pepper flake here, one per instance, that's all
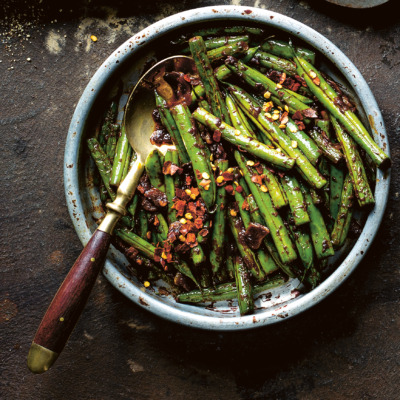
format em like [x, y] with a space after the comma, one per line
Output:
[191, 206]
[282, 78]
[190, 238]
[198, 223]
[186, 77]
[257, 179]
[156, 221]
[188, 180]
[316, 81]
[259, 169]
[203, 232]
[199, 175]
[179, 206]
[217, 136]
[228, 176]
[239, 189]
[194, 191]
[230, 189]
[245, 205]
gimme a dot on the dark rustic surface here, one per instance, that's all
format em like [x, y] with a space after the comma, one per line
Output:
[348, 347]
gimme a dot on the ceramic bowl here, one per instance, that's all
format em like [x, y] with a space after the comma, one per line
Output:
[126, 64]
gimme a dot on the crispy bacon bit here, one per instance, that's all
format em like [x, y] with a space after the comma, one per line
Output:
[285, 118]
[257, 179]
[148, 206]
[230, 189]
[310, 113]
[298, 115]
[254, 235]
[132, 252]
[300, 125]
[245, 205]
[228, 176]
[217, 136]
[157, 197]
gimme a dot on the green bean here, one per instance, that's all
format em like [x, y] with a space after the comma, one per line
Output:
[296, 200]
[217, 236]
[168, 122]
[249, 258]
[121, 154]
[303, 141]
[233, 49]
[103, 164]
[227, 291]
[237, 138]
[346, 204]
[355, 166]
[273, 133]
[243, 287]
[198, 153]
[153, 166]
[283, 49]
[170, 183]
[272, 219]
[347, 118]
[319, 234]
[326, 146]
[206, 73]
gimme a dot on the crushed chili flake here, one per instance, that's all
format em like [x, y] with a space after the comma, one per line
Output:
[194, 192]
[156, 221]
[316, 81]
[259, 169]
[190, 238]
[204, 182]
[257, 179]
[217, 136]
[245, 205]
[282, 78]
[239, 189]
[203, 232]
[199, 175]
[198, 223]
[179, 206]
[157, 254]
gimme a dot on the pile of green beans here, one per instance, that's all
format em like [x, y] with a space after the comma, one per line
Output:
[264, 181]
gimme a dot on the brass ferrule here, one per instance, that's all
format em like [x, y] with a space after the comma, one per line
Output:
[40, 359]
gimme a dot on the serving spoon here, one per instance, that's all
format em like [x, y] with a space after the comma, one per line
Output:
[70, 299]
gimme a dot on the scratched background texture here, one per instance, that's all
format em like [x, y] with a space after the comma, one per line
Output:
[347, 347]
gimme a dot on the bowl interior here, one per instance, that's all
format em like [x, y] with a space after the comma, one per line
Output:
[84, 201]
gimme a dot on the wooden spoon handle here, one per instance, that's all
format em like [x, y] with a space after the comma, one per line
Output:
[68, 303]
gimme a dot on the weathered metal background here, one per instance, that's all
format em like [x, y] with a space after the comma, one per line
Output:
[347, 347]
